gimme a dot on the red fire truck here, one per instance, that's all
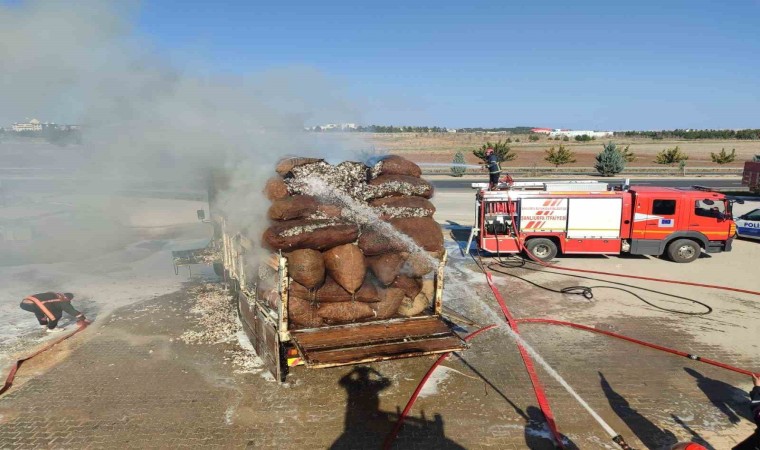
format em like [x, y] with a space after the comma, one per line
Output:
[596, 218]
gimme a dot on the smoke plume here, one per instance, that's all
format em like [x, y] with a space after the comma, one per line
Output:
[146, 121]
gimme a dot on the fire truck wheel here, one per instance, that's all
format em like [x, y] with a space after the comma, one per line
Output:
[684, 250]
[541, 248]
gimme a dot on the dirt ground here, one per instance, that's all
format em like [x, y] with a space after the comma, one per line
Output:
[441, 147]
[130, 381]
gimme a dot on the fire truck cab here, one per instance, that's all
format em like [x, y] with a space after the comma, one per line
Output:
[595, 218]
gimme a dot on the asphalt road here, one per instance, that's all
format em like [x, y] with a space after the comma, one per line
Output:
[721, 183]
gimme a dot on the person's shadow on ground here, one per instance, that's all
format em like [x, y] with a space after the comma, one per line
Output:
[730, 400]
[366, 427]
[648, 433]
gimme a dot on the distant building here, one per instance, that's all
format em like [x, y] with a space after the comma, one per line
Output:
[333, 127]
[573, 133]
[32, 125]
[541, 130]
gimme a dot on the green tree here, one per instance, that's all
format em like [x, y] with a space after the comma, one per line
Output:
[533, 137]
[502, 151]
[723, 157]
[560, 156]
[566, 138]
[671, 156]
[457, 167]
[583, 138]
[610, 161]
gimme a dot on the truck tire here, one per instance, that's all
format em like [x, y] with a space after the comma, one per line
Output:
[683, 250]
[542, 248]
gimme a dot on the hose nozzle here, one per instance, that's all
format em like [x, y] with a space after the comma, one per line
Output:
[621, 442]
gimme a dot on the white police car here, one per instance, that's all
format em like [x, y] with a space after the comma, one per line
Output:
[748, 225]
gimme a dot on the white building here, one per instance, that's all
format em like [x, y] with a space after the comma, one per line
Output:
[573, 133]
[32, 125]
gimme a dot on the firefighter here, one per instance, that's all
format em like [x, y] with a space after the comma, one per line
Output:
[753, 442]
[49, 308]
[494, 171]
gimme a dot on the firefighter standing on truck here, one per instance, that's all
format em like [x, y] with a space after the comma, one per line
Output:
[494, 170]
[49, 308]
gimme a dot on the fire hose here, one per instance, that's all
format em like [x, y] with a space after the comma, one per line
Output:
[400, 422]
[81, 325]
[538, 390]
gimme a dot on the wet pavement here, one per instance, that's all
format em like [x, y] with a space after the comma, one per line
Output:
[129, 381]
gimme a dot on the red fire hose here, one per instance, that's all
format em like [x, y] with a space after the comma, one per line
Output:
[392, 435]
[693, 357]
[81, 325]
[538, 389]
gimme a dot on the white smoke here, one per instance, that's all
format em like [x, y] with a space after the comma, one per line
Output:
[146, 121]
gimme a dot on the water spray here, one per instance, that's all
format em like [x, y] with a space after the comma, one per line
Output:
[364, 215]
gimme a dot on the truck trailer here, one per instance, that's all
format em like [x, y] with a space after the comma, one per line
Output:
[261, 289]
[585, 217]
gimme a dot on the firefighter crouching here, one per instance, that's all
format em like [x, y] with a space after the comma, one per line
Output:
[49, 307]
[494, 170]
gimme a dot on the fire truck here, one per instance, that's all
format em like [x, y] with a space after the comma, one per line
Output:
[585, 217]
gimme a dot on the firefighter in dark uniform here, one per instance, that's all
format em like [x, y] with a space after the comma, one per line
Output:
[49, 307]
[494, 170]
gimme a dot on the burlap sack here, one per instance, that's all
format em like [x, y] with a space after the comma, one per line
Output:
[293, 207]
[307, 267]
[345, 312]
[428, 289]
[395, 185]
[390, 300]
[397, 207]
[329, 292]
[412, 307]
[419, 264]
[396, 165]
[272, 298]
[345, 264]
[299, 305]
[423, 230]
[374, 243]
[287, 164]
[275, 189]
[368, 293]
[386, 267]
[302, 314]
[314, 234]
[410, 286]
[329, 211]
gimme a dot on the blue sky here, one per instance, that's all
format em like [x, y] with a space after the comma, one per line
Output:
[583, 64]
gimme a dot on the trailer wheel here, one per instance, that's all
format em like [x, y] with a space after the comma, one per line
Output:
[684, 250]
[542, 248]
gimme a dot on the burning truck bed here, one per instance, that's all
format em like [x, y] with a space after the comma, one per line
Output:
[355, 272]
